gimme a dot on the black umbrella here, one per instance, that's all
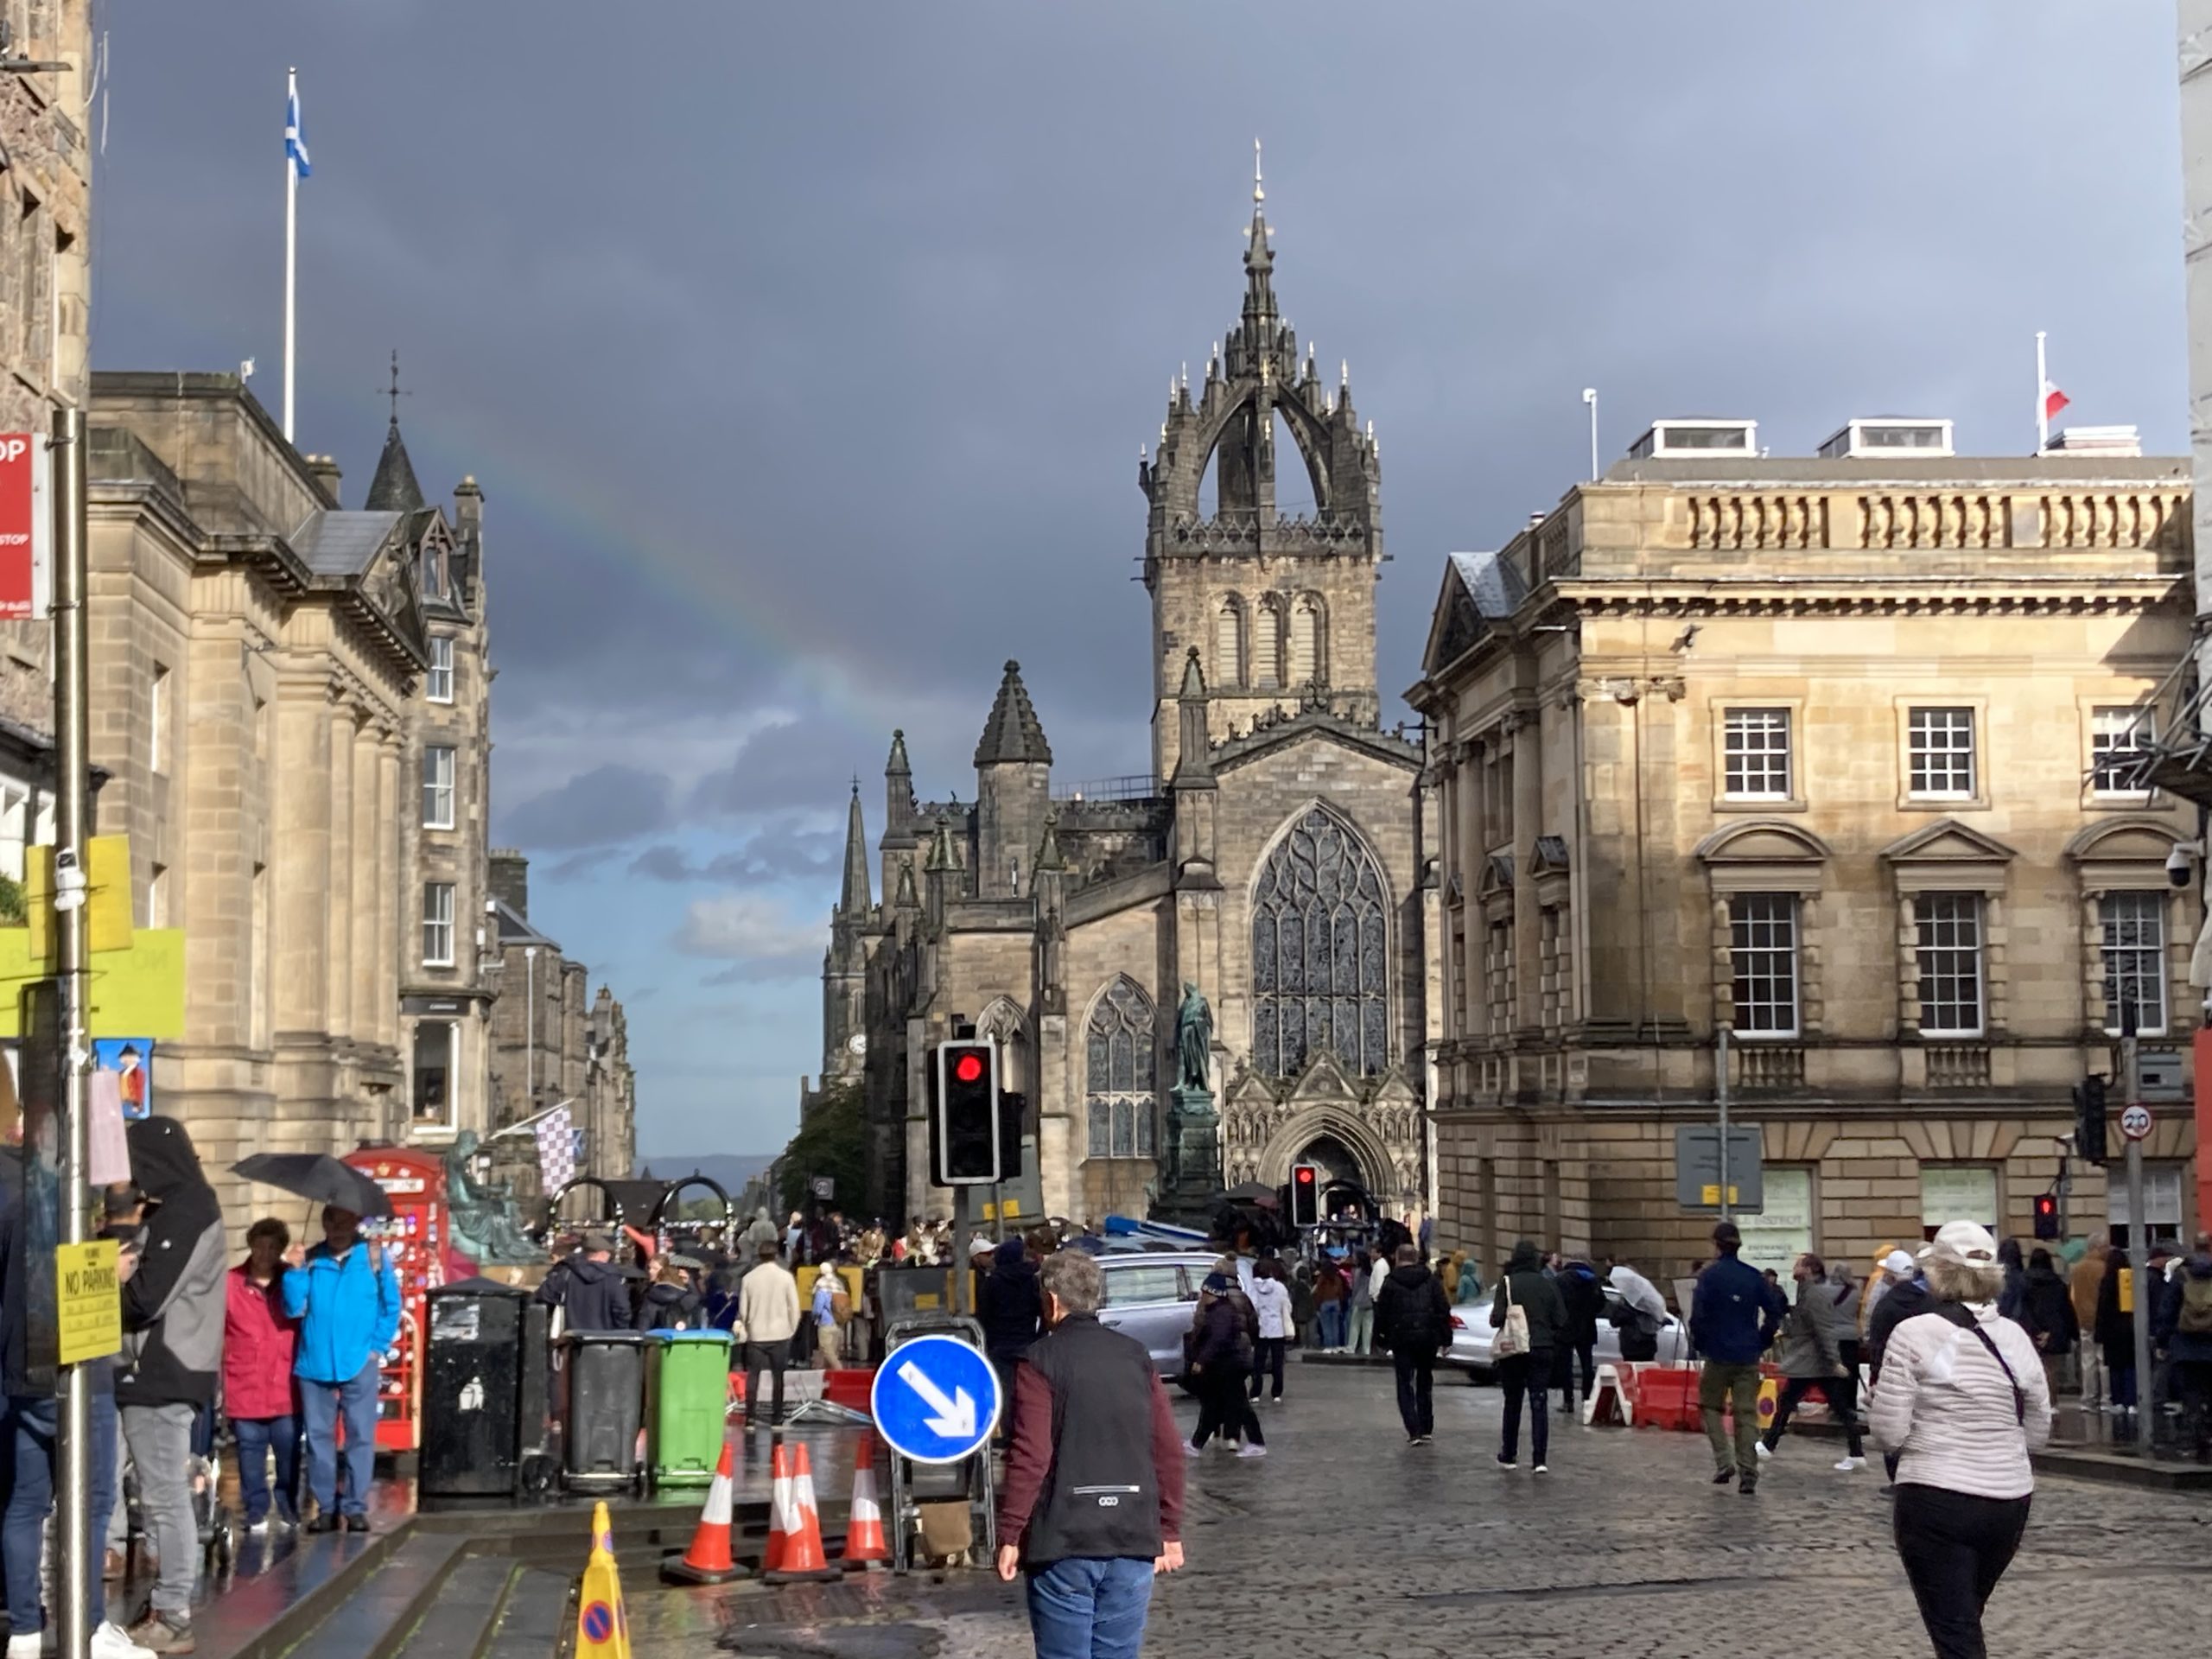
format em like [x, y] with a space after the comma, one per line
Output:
[1253, 1192]
[318, 1176]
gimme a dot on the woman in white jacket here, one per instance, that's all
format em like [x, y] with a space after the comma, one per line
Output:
[1271, 1303]
[1962, 1401]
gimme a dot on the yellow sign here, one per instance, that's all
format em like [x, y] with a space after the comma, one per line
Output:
[602, 1623]
[1710, 1193]
[134, 993]
[89, 1303]
[2127, 1291]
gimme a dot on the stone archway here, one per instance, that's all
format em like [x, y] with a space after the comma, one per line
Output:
[1343, 1138]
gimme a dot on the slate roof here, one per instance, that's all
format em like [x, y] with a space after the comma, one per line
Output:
[1012, 732]
[394, 489]
[1495, 584]
[342, 543]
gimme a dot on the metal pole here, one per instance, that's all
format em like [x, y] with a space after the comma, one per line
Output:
[2042, 399]
[1590, 397]
[73, 728]
[2138, 1234]
[1720, 1092]
[964, 1280]
[291, 246]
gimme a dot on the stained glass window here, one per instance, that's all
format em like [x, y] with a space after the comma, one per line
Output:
[1319, 951]
[1121, 1074]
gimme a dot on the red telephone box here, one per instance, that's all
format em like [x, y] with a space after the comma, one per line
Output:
[417, 1236]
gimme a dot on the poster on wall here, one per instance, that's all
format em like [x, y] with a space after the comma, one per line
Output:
[132, 1059]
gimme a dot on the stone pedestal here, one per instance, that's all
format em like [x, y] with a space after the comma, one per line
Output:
[1191, 1189]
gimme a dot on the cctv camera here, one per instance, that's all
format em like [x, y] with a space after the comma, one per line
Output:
[2177, 865]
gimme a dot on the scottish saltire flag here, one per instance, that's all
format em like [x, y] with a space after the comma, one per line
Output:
[295, 144]
[556, 1151]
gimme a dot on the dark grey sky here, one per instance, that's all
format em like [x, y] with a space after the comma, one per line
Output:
[803, 353]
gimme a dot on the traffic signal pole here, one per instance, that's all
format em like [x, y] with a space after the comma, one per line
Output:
[2138, 1230]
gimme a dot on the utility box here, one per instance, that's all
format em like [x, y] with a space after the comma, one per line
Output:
[483, 1409]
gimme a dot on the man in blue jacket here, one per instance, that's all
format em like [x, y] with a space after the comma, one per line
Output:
[1734, 1318]
[346, 1296]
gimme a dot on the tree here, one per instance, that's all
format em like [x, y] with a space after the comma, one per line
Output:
[832, 1141]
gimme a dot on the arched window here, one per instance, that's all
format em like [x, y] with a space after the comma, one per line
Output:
[1121, 1090]
[1267, 645]
[1320, 950]
[1307, 664]
[1228, 644]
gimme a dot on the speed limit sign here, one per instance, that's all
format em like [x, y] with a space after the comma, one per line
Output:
[2135, 1121]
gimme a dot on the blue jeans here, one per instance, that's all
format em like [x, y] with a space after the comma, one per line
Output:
[31, 1423]
[1332, 1324]
[1088, 1608]
[258, 1437]
[321, 1405]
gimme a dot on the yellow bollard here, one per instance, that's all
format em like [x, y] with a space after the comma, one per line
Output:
[603, 1625]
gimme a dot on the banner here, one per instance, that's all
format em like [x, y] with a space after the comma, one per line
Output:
[21, 455]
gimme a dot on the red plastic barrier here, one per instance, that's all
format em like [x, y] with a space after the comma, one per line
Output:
[849, 1388]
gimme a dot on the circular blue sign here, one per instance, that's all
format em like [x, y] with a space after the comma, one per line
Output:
[935, 1399]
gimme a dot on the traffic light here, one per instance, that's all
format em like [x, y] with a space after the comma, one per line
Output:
[2089, 1119]
[1305, 1196]
[967, 1113]
[2046, 1215]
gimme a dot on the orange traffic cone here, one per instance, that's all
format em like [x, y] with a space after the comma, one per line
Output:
[783, 1511]
[802, 1562]
[865, 1545]
[707, 1560]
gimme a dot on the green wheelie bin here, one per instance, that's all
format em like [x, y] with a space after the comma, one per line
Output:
[687, 1388]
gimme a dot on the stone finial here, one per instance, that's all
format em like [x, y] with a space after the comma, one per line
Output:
[1049, 857]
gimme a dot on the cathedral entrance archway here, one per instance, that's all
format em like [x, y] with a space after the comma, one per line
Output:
[1340, 1171]
[1345, 1145]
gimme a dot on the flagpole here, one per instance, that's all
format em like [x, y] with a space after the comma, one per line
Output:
[2043, 399]
[291, 248]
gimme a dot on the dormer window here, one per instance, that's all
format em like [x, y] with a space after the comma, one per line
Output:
[436, 583]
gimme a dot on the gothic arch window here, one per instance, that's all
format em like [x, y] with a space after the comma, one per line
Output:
[1266, 645]
[1320, 950]
[1229, 643]
[1005, 1022]
[1309, 662]
[1121, 1083]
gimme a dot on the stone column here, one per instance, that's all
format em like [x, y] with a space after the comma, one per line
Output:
[338, 885]
[300, 859]
[370, 883]
[391, 803]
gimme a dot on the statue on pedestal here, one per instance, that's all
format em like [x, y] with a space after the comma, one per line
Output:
[1194, 1039]
[487, 1225]
[1193, 1175]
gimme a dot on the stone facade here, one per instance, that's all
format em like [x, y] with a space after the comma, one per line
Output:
[1273, 856]
[254, 653]
[1834, 754]
[551, 1042]
[45, 353]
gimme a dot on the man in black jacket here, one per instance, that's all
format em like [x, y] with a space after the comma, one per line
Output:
[173, 1311]
[1413, 1320]
[1092, 1506]
[591, 1292]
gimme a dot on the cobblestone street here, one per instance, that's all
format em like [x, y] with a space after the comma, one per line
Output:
[1345, 1540]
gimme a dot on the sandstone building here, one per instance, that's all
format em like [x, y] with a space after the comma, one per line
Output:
[1842, 754]
[1272, 855]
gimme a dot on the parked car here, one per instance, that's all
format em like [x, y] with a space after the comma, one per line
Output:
[1151, 1295]
[1470, 1337]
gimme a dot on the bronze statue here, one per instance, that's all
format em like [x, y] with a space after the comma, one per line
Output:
[1194, 1038]
[485, 1221]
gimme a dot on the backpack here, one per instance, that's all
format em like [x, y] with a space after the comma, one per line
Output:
[840, 1304]
[2195, 1319]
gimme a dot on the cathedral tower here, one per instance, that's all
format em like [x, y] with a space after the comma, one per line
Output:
[1281, 609]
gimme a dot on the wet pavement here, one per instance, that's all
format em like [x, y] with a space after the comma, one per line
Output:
[1346, 1540]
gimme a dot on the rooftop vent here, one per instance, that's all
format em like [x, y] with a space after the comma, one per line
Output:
[1888, 435]
[2098, 441]
[1696, 440]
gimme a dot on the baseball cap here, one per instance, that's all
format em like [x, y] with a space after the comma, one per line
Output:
[1964, 1241]
[1896, 1263]
[596, 1242]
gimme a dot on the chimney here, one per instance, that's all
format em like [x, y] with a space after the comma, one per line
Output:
[324, 470]
[510, 878]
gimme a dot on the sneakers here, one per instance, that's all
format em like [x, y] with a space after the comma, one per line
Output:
[160, 1633]
[1252, 1451]
[1749, 1484]
[1541, 1469]
[357, 1524]
[1765, 1451]
[1847, 1464]
[1724, 1476]
[324, 1523]
[1504, 1462]
[257, 1528]
[27, 1647]
[1419, 1440]
[1190, 1450]
[109, 1642]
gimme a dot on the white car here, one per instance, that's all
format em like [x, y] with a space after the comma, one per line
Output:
[1471, 1335]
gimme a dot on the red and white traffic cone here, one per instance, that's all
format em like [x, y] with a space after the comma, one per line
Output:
[782, 1510]
[803, 1561]
[865, 1544]
[707, 1560]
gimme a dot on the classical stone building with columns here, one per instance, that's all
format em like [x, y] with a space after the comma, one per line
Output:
[1842, 754]
[254, 653]
[1274, 856]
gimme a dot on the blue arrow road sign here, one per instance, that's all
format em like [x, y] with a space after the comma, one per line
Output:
[935, 1399]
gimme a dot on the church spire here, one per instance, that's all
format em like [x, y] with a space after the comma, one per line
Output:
[1013, 733]
[1260, 317]
[855, 899]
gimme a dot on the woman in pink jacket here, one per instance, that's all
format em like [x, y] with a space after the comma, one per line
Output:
[257, 1342]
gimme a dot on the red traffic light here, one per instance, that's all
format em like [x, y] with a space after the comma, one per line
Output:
[969, 1068]
[2046, 1205]
[1304, 1173]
